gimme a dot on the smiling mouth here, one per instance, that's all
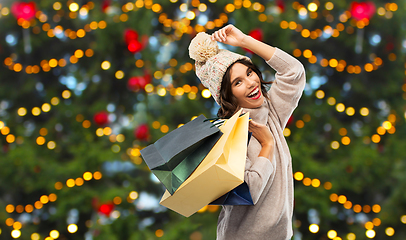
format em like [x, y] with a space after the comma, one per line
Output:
[255, 94]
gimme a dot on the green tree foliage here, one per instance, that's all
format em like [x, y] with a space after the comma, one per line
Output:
[63, 67]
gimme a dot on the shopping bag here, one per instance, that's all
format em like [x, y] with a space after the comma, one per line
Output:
[221, 170]
[175, 156]
[238, 196]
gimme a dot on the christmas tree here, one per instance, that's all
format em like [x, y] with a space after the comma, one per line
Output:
[86, 85]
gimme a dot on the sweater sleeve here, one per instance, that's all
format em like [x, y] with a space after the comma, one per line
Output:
[257, 174]
[286, 90]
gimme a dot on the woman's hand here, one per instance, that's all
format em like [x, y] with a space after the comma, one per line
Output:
[229, 35]
[264, 136]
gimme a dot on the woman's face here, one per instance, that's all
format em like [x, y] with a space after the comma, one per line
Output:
[246, 86]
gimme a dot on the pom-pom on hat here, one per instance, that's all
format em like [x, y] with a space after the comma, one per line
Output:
[211, 62]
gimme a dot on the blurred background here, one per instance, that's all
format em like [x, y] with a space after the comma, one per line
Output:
[84, 85]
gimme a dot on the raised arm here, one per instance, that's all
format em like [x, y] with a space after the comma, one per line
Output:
[233, 36]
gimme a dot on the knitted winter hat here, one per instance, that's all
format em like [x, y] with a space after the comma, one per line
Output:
[211, 62]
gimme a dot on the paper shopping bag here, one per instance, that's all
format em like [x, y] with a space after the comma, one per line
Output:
[175, 156]
[238, 196]
[221, 170]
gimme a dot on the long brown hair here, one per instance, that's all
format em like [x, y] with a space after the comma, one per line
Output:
[227, 101]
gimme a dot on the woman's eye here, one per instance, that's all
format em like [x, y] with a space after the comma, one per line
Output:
[249, 73]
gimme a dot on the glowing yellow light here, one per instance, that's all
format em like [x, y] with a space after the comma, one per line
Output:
[72, 228]
[107, 131]
[22, 111]
[70, 182]
[342, 199]
[119, 74]
[376, 208]
[73, 7]
[40, 140]
[286, 132]
[202, 7]
[389, 231]
[307, 181]
[364, 111]
[183, 7]
[97, 175]
[320, 94]
[312, 7]
[350, 111]
[35, 236]
[357, 208]
[314, 228]
[387, 125]
[99, 132]
[16, 233]
[370, 233]
[17, 225]
[54, 234]
[46, 107]
[190, 15]
[161, 91]
[87, 176]
[335, 145]
[333, 63]
[345, 140]
[206, 93]
[376, 221]
[316, 183]
[10, 208]
[340, 107]
[298, 176]
[351, 236]
[149, 88]
[403, 219]
[302, 11]
[329, 6]
[51, 145]
[57, 6]
[331, 234]
[55, 101]
[52, 197]
[83, 11]
[36, 111]
[133, 195]
[66, 94]
[376, 138]
[105, 65]
[369, 225]
[307, 53]
[164, 128]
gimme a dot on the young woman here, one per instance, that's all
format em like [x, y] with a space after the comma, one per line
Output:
[236, 83]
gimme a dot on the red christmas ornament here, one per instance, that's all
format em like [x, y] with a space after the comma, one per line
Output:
[142, 132]
[139, 82]
[23, 10]
[106, 209]
[134, 46]
[101, 118]
[105, 5]
[256, 34]
[130, 35]
[131, 39]
[362, 10]
[281, 5]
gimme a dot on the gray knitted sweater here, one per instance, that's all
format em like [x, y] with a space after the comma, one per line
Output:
[270, 181]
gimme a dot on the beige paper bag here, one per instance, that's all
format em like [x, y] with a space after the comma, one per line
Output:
[220, 171]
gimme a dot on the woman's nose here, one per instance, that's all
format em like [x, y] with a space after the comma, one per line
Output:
[250, 83]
